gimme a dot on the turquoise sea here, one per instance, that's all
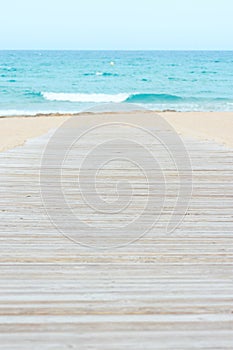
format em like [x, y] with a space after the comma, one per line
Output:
[70, 81]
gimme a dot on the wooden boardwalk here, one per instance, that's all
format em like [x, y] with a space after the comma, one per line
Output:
[165, 291]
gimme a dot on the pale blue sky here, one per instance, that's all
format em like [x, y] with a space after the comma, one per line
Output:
[119, 24]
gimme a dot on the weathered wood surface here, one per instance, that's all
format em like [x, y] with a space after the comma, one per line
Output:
[162, 292]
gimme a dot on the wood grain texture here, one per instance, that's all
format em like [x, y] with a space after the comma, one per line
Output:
[165, 291]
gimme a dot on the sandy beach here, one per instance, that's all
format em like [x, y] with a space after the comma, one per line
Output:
[215, 126]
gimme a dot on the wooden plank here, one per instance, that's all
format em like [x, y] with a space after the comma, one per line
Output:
[164, 291]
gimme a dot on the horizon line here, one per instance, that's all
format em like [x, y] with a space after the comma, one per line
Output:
[61, 49]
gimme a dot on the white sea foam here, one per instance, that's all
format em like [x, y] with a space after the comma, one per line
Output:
[6, 67]
[13, 112]
[76, 97]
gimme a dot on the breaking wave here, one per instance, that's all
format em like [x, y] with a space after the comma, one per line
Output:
[107, 98]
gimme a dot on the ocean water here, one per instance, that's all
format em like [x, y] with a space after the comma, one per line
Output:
[71, 81]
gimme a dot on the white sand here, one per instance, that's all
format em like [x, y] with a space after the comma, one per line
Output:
[14, 131]
[217, 126]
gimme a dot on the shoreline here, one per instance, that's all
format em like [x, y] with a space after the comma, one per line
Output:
[213, 126]
[71, 114]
